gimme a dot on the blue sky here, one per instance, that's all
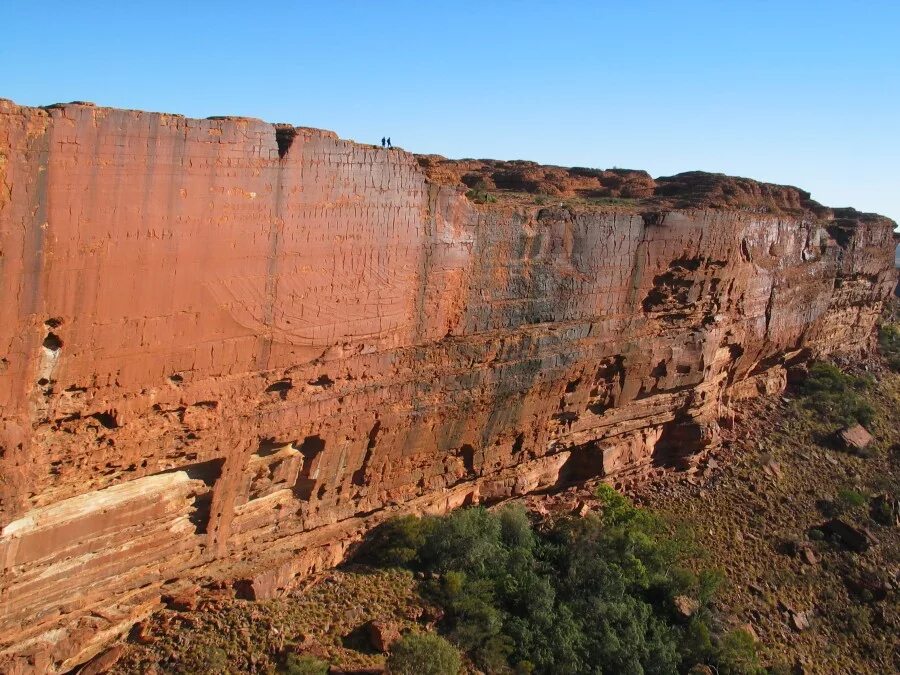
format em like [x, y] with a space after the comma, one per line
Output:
[797, 92]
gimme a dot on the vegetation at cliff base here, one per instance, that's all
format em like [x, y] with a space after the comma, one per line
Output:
[837, 397]
[303, 664]
[423, 654]
[889, 344]
[606, 593]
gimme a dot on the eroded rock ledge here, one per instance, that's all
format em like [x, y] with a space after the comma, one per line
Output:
[229, 347]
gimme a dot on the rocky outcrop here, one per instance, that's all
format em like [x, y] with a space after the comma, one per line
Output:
[229, 348]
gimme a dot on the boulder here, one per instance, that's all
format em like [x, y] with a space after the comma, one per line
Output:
[382, 635]
[868, 584]
[885, 509]
[808, 556]
[799, 620]
[701, 669]
[852, 538]
[185, 600]
[102, 663]
[142, 634]
[581, 509]
[773, 468]
[750, 630]
[685, 606]
[856, 437]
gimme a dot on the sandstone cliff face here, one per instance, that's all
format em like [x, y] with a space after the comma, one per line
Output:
[229, 348]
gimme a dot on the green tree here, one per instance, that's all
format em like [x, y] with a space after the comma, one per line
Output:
[423, 654]
[303, 664]
[467, 539]
[737, 654]
[889, 343]
[398, 541]
[581, 595]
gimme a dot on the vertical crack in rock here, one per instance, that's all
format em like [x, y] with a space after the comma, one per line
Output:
[311, 449]
[359, 476]
[284, 137]
[770, 304]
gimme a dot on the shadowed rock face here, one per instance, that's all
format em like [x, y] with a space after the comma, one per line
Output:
[229, 348]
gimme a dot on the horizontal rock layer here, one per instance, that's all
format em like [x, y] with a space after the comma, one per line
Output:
[230, 347]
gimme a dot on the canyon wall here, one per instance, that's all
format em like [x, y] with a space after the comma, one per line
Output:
[229, 348]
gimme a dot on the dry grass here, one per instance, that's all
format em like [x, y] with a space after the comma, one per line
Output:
[251, 637]
[751, 523]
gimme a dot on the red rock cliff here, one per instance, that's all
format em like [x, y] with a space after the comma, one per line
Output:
[229, 348]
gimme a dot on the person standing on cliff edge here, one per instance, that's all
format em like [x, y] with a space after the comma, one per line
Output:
[382, 141]
[389, 142]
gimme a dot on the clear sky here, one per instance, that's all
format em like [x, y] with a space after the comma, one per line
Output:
[789, 91]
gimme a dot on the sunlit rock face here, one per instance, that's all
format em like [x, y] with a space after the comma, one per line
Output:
[229, 348]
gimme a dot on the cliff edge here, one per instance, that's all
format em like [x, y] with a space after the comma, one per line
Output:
[229, 348]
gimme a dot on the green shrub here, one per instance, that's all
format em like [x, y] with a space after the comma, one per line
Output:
[303, 664]
[613, 201]
[698, 645]
[815, 534]
[709, 582]
[848, 500]
[481, 196]
[889, 343]
[836, 396]
[882, 512]
[855, 619]
[204, 659]
[467, 539]
[515, 527]
[737, 654]
[581, 595]
[423, 654]
[397, 542]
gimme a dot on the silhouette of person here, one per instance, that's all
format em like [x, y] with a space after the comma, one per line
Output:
[382, 141]
[389, 142]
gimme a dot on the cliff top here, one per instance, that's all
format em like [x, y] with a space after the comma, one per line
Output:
[526, 183]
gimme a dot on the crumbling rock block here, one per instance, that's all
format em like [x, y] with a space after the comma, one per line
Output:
[382, 635]
[808, 556]
[856, 437]
[230, 348]
[885, 509]
[102, 663]
[853, 538]
[685, 606]
[799, 620]
[185, 600]
[581, 509]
